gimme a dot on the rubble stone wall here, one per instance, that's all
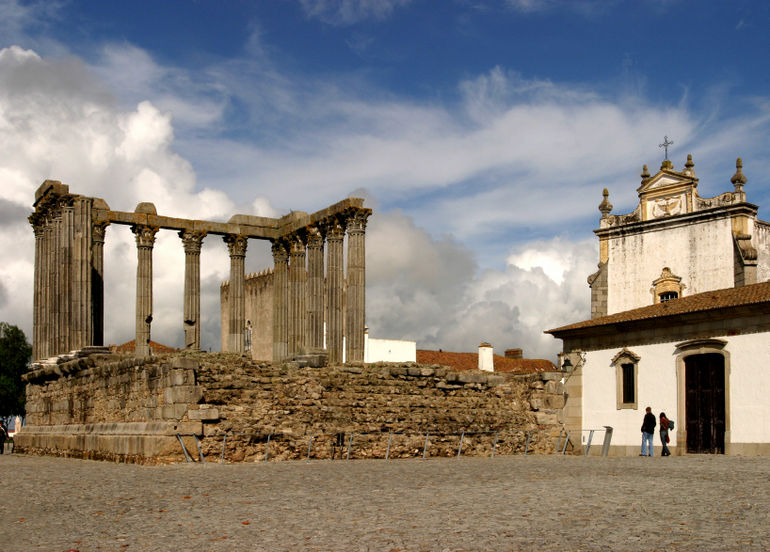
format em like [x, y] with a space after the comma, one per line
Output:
[127, 409]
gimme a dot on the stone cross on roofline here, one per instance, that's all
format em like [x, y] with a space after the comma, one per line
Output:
[665, 145]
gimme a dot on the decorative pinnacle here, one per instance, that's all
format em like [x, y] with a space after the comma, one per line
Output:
[645, 174]
[738, 179]
[690, 164]
[605, 207]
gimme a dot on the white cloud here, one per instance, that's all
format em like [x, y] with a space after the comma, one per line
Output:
[348, 12]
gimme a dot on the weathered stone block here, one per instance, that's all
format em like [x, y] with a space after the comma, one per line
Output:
[183, 394]
[554, 387]
[546, 418]
[551, 376]
[189, 428]
[554, 401]
[204, 414]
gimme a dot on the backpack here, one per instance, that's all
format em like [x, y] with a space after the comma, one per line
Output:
[670, 425]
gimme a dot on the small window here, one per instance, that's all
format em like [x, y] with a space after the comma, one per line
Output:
[629, 387]
[626, 365]
[668, 296]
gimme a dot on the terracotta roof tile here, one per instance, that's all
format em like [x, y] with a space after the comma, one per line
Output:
[710, 300]
[130, 347]
[470, 361]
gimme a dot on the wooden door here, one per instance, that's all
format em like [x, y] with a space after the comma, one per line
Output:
[705, 403]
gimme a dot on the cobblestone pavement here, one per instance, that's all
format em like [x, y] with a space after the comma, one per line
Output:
[503, 503]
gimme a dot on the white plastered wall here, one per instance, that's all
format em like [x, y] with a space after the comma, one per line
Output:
[748, 388]
[389, 350]
[701, 254]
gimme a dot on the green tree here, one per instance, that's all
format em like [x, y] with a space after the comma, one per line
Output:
[15, 354]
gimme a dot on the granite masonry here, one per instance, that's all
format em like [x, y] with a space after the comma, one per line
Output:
[122, 408]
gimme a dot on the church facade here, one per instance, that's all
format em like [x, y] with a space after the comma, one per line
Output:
[680, 321]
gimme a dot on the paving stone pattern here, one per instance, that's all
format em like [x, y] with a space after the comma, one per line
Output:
[503, 503]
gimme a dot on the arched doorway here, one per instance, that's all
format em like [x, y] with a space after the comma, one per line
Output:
[705, 403]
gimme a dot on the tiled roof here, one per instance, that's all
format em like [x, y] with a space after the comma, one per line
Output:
[470, 361]
[709, 300]
[130, 347]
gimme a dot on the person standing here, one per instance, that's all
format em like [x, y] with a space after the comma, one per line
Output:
[664, 434]
[3, 436]
[648, 431]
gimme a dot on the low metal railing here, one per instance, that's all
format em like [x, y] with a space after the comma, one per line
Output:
[345, 441]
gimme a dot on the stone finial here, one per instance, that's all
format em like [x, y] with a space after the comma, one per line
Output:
[605, 207]
[645, 174]
[738, 179]
[667, 164]
[688, 167]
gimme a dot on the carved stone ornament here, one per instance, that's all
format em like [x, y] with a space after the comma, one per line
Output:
[667, 206]
[280, 251]
[145, 235]
[192, 241]
[356, 220]
[296, 245]
[335, 229]
[605, 207]
[236, 244]
[315, 237]
[99, 229]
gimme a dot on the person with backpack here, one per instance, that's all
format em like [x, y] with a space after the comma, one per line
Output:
[664, 439]
[648, 431]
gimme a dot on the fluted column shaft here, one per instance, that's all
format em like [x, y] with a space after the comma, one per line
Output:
[236, 245]
[356, 285]
[280, 301]
[81, 315]
[335, 234]
[145, 240]
[65, 280]
[98, 232]
[37, 293]
[192, 242]
[297, 294]
[315, 289]
[47, 314]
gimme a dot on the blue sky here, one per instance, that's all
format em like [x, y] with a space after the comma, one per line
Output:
[482, 133]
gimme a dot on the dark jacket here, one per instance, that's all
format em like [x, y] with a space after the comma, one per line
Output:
[648, 426]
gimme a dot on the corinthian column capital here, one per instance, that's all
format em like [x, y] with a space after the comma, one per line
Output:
[334, 228]
[297, 245]
[192, 241]
[99, 231]
[236, 244]
[280, 251]
[356, 220]
[315, 237]
[145, 235]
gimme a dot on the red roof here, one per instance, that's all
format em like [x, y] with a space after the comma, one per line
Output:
[470, 361]
[752, 294]
[130, 347]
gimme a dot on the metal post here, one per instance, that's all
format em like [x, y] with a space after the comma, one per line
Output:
[494, 445]
[390, 439]
[460, 448]
[222, 458]
[566, 441]
[607, 439]
[309, 447]
[350, 443]
[267, 447]
[590, 438]
[558, 443]
[200, 452]
[526, 445]
[425, 448]
[184, 449]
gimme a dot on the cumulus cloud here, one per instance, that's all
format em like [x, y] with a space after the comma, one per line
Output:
[60, 121]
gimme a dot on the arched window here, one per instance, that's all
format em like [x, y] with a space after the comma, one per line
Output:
[626, 365]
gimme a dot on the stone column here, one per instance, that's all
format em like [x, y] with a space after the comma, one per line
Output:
[82, 299]
[280, 301]
[335, 234]
[57, 342]
[236, 245]
[192, 242]
[297, 294]
[98, 231]
[314, 336]
[145, 240]
[47, 314]
[37, 292]
[356, 285]
[66, 267]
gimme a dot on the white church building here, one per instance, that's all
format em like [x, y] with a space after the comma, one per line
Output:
[680, 322]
